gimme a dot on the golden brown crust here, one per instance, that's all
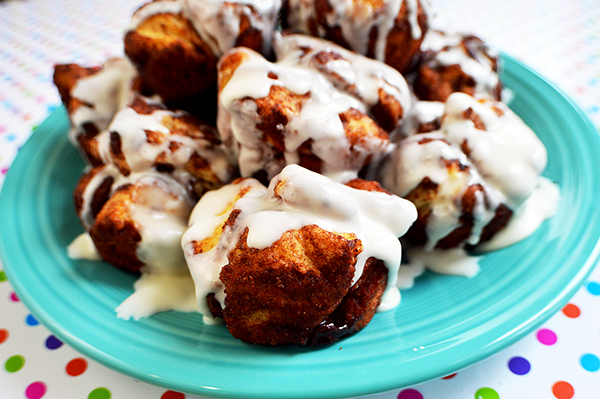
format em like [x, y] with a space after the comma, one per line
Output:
[359, 128]
[202, 176]
[426, 192]
[99, 197]
[280, 294]
[434, 82]
[114, 232]
[357, 308]
[274, 111]
[172, 58]
[66, 77]
[402, 49]
[367, 185]
[387, 112]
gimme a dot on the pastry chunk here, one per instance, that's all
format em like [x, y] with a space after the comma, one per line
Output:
[176, 44]
[391, 30]
[452, 62]
[312, 107]
[305, 261]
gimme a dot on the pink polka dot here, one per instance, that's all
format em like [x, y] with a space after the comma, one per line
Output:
[410, 394]
[13, 297]
[546, 336]
[35, 390]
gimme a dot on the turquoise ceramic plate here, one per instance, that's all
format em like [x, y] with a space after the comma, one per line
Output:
[443, 324]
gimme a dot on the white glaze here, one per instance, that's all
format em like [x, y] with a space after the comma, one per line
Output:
[296, 198]
[449, 51]
[155, 293]
[364, 75]
[103, 94]
[356, 20]
[421, 112]
[408, 273]
[507, 153]
[541, 205]
[160, 214]
[411, 161]
[82, 247]
[140, 154]
[154, 8]
[207, 217]
[161, 202]
[238, 121]
[454, 261]
[218, 21]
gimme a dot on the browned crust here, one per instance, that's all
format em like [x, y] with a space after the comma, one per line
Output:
[172, 58]
[100, 196]
[387, 112]
[367, 185]
[66, 77]
[425, 194]
[114, 232]
[402, 50]
[437, 82]
[357, 308]
[278, 295]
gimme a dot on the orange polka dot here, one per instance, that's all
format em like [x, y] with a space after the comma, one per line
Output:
[449, 376]
[3, 335]
[563, 390]
[172, 395]
[571, 311]
[76, 367]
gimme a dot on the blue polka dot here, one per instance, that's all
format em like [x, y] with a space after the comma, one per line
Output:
[590, 362]
[31, 321]
[593, 288]
[53, 343]
[519, 365]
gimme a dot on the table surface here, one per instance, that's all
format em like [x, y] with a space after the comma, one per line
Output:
[559, 39]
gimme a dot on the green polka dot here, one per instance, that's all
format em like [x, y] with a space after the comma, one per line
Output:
[99, 393]
[486, 393]
[2, 276]
[14, 363]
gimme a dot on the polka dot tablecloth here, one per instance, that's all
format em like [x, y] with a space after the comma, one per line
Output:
[560, 39]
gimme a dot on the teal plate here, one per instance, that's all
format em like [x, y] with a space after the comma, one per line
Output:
[443, 324]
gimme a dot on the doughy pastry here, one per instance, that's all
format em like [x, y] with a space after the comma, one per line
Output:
[468, 177]
[92, 96]
[140, 226]
[454, 202]
[175, 44]
[389, 30]
[311, 108]
[155, 160]
[305, 261]
[452, 62]
[383, 91]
